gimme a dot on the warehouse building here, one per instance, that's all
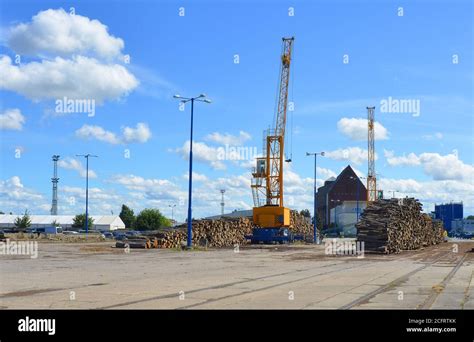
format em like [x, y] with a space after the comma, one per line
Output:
[335, 191]
[102, 223]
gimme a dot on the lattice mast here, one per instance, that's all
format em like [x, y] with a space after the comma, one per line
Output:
[268, 175]
[371, 178]
[55, 180]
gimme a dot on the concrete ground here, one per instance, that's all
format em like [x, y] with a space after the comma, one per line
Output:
[95, 275]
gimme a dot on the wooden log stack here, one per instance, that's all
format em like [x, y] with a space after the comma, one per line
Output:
[393, 225]
[223, 232]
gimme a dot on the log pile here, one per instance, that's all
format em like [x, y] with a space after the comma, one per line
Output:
[223, 232]
[301, 225]
[393, 225]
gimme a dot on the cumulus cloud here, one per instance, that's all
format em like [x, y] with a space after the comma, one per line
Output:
[432, 192]
[198, 177]
[98, 133]
[202, 153]
[229, 139]
[141, 133]
[355, 155]
[76, 165]
[76, 78]
[447, 167]
[59, 33]
[12, 119]
[356, 129]
[15, 197]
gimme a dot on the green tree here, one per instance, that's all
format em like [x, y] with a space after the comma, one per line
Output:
[23, 222]
[55, 223]
[305, 213]
[470, 217]
[127, 216]
[79, 221]
[151, 219]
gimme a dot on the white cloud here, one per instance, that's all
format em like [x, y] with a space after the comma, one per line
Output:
[407, 160]
[356, 129]
[139, 134]
[229, 139]
[202, 153]
[74, 164]
[60, 33]
[431, 192]
[198, 177]
[325, 173]
[15, 197]
[435, 136]
[12, 119]
[97, 132]
[76, 78]
[355, 155]
[447, 167]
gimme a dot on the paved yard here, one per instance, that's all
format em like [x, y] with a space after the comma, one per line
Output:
[95, 275]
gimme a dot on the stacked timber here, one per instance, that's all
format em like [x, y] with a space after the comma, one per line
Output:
[301, 225]
[223, 232]
[393, 225]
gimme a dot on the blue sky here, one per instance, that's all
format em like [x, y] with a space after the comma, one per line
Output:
[409, 56]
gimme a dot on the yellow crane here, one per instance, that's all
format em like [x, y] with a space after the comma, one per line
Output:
[270, 217]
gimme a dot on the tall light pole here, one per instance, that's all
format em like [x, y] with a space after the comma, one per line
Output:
[200, 98]
[172, 210]
[315, 229]
[87, 156]
[222, 202]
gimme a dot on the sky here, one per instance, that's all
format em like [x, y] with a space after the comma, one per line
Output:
[128, 58]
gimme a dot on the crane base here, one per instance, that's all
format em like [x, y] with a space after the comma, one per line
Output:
[270, 236]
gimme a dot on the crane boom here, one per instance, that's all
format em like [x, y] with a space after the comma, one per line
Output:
[267, 178]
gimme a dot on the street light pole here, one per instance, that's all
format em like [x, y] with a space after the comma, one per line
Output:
[87, 186]
[315, 228]
[201, 98]
[172, 210]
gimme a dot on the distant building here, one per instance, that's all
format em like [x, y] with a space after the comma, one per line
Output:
[346, 187]
[345, 214]
[462, 225]
[106, 222]
[236, 213]
[448, 212]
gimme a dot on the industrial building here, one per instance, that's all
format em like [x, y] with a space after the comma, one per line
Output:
[449, 212]
[102, 223]
[335, 191]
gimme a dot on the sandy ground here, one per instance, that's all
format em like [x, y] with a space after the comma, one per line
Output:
[96, 275]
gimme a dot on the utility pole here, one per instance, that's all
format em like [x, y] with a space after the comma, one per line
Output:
[315, 228]
[200, 98]
[172, 211]
[222, 202]
[87, 156]
[55, 180]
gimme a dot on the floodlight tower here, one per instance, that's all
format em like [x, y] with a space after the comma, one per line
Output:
[222, 202]
[55, 180]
